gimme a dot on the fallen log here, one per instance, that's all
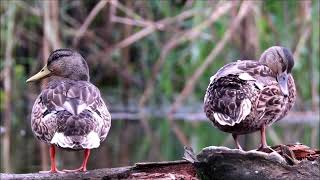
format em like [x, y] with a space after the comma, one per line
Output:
[149, 170]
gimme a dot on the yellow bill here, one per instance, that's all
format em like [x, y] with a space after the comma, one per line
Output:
[43, 73]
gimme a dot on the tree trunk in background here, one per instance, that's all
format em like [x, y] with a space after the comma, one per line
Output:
[124, 146]
[8, 86]
[54, 16]
[51, 23]
[249, 44]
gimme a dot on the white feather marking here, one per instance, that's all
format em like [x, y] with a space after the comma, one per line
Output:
[69, 106]
[81, 107]
[62, 140]
[245, 109]
[206, 95]
[246, 77]
[259, 85]
[205, 98]
[221, 120]
[212, 78]
[92, 141]
[89, 141]
[51, 115]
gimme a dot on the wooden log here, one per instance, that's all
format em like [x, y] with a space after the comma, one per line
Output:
[150, 170]
[289, 162]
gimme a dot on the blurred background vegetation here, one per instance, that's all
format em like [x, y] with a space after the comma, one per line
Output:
[152, 61]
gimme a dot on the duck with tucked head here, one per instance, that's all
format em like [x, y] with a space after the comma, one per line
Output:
[247, 96]
[69, 112]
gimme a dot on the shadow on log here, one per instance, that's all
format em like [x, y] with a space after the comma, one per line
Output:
[290, 162]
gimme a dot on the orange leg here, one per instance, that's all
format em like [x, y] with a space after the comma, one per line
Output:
[83, 166]
[263, 144]
[235, 137]
[53, 169]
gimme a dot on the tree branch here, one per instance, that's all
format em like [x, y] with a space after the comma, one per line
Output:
[7, 85]
[88, 21]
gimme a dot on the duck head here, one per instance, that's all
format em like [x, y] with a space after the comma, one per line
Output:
[280, 61]
[64, 63]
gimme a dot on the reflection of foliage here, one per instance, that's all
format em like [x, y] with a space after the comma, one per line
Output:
[122, 73]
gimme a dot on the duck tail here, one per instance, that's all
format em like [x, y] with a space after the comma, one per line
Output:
[89, 141]
[77, 132]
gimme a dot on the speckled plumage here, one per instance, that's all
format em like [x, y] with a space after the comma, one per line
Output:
[245, 95]
[51, 113]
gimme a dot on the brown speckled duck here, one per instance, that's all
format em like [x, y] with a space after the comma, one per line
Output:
[247, 96]
[69, 112]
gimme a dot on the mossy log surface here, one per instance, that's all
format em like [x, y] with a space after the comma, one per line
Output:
[290, 162]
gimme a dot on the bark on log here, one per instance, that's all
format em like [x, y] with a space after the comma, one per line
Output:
[154, 170]
[287, 162]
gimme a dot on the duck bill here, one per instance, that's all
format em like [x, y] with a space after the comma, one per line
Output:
[41, 74]
[283, 83]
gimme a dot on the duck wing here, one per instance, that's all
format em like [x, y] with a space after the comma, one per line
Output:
[271, 105]
[232, 91]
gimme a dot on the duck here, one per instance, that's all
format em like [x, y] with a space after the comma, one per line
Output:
[248, 95]
[69, 113]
